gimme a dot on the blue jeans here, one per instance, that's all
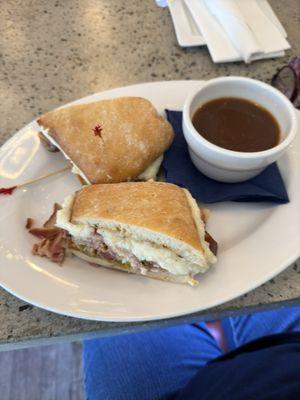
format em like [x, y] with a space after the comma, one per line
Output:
[154, 364]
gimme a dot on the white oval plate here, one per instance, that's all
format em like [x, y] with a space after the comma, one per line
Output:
[256, 241]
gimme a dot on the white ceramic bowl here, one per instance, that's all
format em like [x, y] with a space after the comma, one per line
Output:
[234, 166]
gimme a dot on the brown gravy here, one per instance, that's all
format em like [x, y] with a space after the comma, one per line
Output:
[237, 124]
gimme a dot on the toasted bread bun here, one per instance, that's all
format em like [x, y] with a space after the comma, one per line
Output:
[129, 140]
[140, 223]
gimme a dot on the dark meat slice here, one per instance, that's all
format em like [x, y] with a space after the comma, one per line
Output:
[213, 245]
[29, 223]
[47, 144]
[108, 254]
[45, 233]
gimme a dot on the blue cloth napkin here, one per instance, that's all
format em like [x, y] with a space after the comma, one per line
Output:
[179, 169]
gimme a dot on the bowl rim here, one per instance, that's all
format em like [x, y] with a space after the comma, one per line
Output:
[240, 154]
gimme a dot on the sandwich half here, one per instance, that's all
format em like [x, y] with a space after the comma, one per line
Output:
[115, 140]
[150, 228]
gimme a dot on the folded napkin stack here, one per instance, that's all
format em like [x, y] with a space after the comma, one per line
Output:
[237, 30]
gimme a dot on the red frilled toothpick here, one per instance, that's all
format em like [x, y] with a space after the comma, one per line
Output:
[7, 191]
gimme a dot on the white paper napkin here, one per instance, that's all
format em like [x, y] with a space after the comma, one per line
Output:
[231, 19]
[266, 33]
[237, 30]
[269, 13]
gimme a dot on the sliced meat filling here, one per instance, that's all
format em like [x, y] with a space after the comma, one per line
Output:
[140, 256]
[95, 246]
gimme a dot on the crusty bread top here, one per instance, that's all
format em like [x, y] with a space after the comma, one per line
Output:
[157, 206]
[133, 135]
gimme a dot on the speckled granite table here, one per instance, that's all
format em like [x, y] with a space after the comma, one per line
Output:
[52, 52]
